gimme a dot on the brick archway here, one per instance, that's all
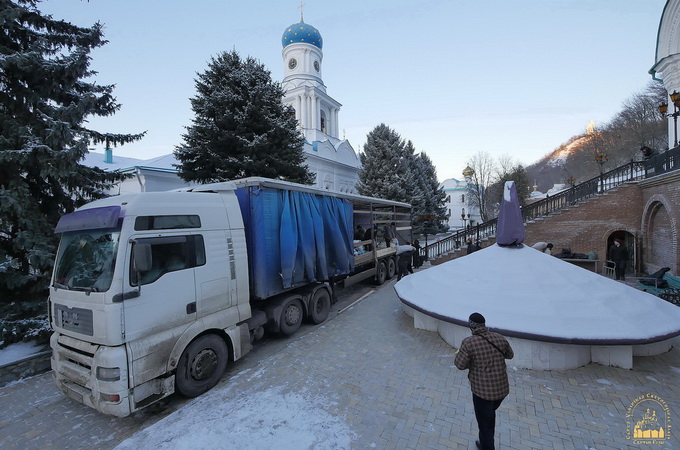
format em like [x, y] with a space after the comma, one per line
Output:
[660, 237]
[631, 241]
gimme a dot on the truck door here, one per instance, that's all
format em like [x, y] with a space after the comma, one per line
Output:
[167, 300]
[215, 284]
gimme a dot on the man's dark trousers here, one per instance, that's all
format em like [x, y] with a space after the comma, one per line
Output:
[485, 412]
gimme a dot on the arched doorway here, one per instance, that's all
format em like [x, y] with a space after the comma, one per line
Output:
[659, 238]
[630, 242]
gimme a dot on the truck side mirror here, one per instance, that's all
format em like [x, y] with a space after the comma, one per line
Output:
[142, 257]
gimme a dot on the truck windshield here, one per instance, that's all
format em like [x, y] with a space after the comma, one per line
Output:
[86, 260]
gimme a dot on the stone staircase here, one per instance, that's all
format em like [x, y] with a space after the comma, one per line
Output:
[572, 226]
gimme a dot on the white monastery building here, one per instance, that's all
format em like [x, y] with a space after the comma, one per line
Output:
[667, 59]
[331, 158]
[460, 210]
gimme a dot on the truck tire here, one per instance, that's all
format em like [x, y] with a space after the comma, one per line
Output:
[291, 316]
[391, 268]
[381, 273]
[201, 366]
[320, 306]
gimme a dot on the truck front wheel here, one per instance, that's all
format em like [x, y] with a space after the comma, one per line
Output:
[201, 366]
[320, 306]
[291, 317]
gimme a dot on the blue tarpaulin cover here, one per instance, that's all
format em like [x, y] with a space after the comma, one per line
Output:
[294, 238]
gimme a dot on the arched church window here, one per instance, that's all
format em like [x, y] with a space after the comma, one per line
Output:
[323, 121]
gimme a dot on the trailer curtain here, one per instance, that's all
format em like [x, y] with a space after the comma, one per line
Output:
[316, 238]
[294, 238]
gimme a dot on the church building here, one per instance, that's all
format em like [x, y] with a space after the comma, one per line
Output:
[332, 159]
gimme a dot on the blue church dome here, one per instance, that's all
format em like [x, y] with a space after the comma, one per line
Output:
[302, 33]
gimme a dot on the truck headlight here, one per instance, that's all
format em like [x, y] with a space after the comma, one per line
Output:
[108, 373]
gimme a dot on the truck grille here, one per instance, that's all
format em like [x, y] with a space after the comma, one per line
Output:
[75, 359]
[74, 319]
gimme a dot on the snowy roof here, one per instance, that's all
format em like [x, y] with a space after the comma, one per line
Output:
[453, 184]
[531, 295]
[164, 162]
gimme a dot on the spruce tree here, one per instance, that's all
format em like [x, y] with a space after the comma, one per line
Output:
[46, 95]
[241, 127]
[431, 198]
[385, 166]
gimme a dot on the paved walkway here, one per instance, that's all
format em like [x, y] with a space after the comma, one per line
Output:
[396, 388]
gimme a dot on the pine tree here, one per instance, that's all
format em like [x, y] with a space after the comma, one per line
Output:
[385, 166]
[430, 200]
[241, 127]
[45, 98]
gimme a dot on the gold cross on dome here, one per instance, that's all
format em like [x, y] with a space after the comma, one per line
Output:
[302, 18]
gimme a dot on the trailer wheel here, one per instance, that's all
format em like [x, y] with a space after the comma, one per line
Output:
[320, 306]
[291, 317]
[391, 268]
[381, 274]
[202, 365]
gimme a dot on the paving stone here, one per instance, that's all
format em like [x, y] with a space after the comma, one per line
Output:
[396, 388]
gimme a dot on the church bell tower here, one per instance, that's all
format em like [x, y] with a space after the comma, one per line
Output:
[316, 111]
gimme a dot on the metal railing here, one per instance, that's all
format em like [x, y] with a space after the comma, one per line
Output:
[635, 170]
[663, 162]
[460, 238]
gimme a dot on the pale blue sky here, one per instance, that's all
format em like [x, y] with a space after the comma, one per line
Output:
[455, 77]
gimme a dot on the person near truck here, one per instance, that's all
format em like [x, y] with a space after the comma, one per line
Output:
[369, 235]
[417, 259]
[390, 233]
[359, 233]
[484, 354]
[404, 256]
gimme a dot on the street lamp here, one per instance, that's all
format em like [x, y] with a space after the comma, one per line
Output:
[663, 108]
[468, 173]
[464, 217]
[601, 158]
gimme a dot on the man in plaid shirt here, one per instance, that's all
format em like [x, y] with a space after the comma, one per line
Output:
[484, 353]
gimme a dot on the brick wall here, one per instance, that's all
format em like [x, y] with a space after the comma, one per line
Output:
[659, 216]
[588, 226]
[649, 210]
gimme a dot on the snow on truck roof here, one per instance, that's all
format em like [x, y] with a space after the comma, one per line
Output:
[280, 184]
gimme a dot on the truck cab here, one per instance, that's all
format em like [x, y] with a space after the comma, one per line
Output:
[155, 293]
[109, 315]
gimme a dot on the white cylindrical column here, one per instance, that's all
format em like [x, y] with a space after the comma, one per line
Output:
[298, 110]
[315, 120]
[336, 132]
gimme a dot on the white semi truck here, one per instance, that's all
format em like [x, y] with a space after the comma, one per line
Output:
[154, 293]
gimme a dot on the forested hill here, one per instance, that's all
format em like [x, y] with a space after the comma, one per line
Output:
[638, 124]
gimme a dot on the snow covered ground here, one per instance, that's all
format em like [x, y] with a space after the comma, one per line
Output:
[260, 417]
[19, 351]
